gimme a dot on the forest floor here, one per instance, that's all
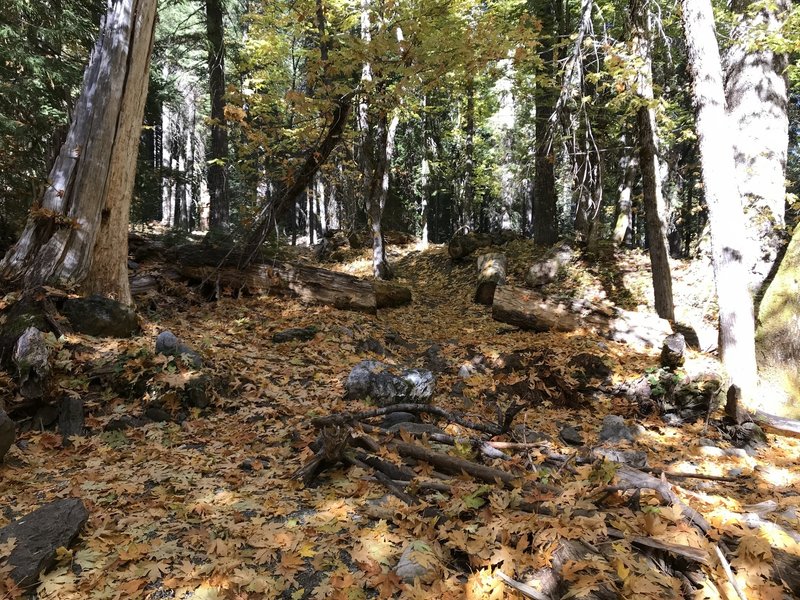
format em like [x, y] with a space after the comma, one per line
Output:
[208, 508]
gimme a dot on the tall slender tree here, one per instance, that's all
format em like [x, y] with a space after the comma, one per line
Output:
[545, 200]
[77, 233]
[655, 209]
[218, 148]
[725, 213]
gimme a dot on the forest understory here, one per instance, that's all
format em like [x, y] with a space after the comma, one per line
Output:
[207, 501]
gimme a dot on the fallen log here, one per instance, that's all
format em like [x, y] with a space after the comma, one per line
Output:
[464, 244]
[528, 310]
[491, 273]
[454, 464]
[777, 425]
[310, 284]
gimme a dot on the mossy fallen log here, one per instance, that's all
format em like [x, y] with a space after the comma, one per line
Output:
[310, 284]
[528, 310]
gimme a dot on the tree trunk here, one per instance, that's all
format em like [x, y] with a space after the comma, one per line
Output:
[655, 210]
[218, 151]
[545, 206]
[726, 217]
[624, 221]
[376, 200]
[757, 102]
[468, 205]
[778, 335]
[78, 233]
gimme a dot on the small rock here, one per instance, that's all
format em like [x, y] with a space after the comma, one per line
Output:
[418, 428]
[633, 458]
[304, 334]
[157, 414]
[101, 317]
[168, 344]
[39, 534]
[591, 366]
[418, 561]
[571, 436]
[32, 358]
[375, 380]
[711, 451]
[734, 472]
[398, 417]
[70, 418]
[706, 442]
[371, 345]
[7, 433]
[526, 435]
[615, 430]
[672, 351]
[466, 370]
[422, 383]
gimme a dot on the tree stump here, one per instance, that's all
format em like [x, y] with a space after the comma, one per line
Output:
[32, 358]
[672, 351]
[491, 273]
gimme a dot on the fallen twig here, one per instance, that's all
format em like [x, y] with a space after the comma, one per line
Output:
[347, 418]
[726, 566]
[522, 588]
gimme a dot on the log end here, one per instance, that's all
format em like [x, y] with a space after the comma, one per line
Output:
[484, 294]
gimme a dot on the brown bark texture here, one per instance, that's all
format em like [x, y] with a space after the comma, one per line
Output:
[77, 234]
[218, 150]
[655, 209]
[310, 284]
[528, 310]
[545, 208]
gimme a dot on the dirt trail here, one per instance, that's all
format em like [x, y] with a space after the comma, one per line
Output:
[208, 507]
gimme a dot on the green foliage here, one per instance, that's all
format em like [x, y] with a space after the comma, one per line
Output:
[44, 47]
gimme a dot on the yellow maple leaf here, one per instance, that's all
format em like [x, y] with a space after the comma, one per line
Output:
[755, 547]
[289, 565]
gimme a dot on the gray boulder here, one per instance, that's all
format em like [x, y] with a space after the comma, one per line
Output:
[547, 269]
[377, 381]
[571, 436]
[32, 358]
[39, 534]
[615, 430]
[101, 317]
[168, 344]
